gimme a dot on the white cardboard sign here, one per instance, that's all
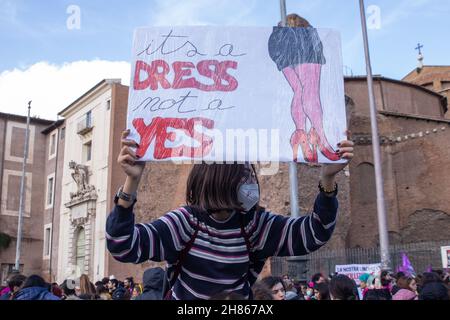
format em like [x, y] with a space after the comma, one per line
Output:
[237, 94]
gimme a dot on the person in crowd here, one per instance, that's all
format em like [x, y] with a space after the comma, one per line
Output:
[56, 290]
[261, 292]
[86, 288]
[221, 231]
[318, 278]
[433, 287]
[386, 280]
[434, 291]
[430, 277]
[105, 282]
[14, 284]
[35, 288]
[276, 287]
[343, 288]
[102, 293]
[116, 291]
[68, 290]
[128, 284]
[363, 285]
[137, 291]
[395, 287]
[309, 292]
[303, 289]
[153, 280]
[377, 291]
[407, 289]
[321, 291]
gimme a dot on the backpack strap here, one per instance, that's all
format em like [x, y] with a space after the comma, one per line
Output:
[246, 237]
[181, 259]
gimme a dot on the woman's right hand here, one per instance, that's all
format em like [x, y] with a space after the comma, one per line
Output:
[128, 159]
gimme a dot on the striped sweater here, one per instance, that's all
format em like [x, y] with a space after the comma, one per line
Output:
[219, 260]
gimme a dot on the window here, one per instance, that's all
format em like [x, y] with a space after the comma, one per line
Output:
[52, 146]
[89, 119]
[108, 105]
[50, 188]
[47, 240]
[63, 133]
[87, 151]
[80, 255]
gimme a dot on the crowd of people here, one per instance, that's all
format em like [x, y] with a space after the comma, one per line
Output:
[383, 286]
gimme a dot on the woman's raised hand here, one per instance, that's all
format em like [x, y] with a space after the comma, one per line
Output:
[128, 159]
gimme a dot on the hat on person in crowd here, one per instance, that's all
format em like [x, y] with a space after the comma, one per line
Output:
[112, 277]
[364, 277]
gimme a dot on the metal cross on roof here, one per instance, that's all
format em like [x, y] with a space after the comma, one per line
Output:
[419, 48]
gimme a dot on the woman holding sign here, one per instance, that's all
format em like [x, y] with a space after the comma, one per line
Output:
[298, 53]
[221, 239]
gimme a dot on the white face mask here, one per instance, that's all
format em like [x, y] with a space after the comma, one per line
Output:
[248, 195]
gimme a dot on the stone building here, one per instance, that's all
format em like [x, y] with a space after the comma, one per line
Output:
[414, 136]
[55, 141]
[434, 78]
[93, 125]
[12, 143]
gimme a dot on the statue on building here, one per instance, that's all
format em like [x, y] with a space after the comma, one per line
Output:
[80, 175]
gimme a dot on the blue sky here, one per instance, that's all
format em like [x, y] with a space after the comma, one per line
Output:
[34, 33]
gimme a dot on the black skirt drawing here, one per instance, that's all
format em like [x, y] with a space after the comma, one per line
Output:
[289, 47]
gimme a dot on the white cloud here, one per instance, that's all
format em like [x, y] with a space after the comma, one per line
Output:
[53, 87]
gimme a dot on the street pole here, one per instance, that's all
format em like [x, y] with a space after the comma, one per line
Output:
[293, 181]
[22, 189]
[381, 209]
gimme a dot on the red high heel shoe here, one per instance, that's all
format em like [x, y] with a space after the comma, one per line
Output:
[323, 145]
[299, 137]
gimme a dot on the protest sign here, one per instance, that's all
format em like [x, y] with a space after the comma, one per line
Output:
[237, 94]
[445, 253]
[354, 271]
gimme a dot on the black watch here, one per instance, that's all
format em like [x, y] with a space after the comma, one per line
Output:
[329, 192]
[124, 196]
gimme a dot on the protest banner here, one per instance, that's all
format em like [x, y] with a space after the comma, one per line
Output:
[445, 253]
[354, 271]
[237, 94]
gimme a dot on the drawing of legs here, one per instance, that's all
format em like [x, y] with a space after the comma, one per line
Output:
[299, 137]
[309, 77]
[298, 53]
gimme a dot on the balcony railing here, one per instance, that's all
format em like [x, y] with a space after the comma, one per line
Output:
[85, 125]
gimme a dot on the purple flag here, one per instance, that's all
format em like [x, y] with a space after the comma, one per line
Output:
[406, 266]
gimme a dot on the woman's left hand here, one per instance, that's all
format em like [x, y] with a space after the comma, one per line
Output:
[345, 152]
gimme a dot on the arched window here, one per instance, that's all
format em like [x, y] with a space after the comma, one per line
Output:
[80, 251]
[366, 190]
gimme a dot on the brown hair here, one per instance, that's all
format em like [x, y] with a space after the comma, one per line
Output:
[294, 20]
[213, 187]
[86, 287]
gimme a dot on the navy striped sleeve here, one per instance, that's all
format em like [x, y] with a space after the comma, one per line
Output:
[159, 240]
[284, 236]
